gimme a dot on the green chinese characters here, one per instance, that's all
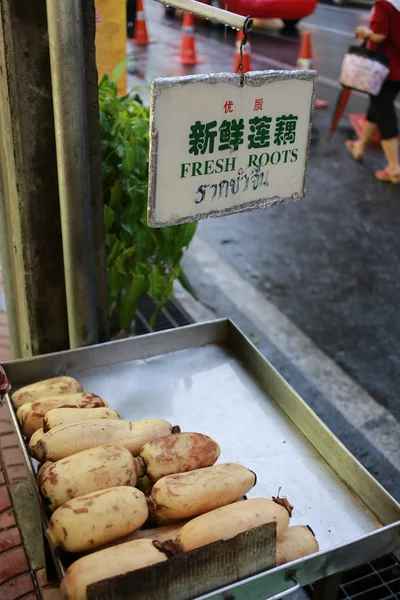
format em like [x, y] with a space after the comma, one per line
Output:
[262, 132]
[208, 137]
[203, 136]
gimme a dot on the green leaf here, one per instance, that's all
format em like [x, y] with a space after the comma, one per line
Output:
[114, 251]
[158, 283]
[122, 262]
[137, 287]
[129, 252]
[185, 283]
[129, 160]
[119, 69]
[167, 233]
[168, 290]
[110, 240]
[127, 227]
[104, 82]
[116, 193]
[126, 238]
[120, 151]
[114, 284]
[119, 265]
[186, 233]
[144, 240]
[109, 217]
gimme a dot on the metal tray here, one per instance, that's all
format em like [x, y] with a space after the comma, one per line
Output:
[210, 378]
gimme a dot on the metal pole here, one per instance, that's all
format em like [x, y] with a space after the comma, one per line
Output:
[7, 277]
[211, 12]
[64, 19]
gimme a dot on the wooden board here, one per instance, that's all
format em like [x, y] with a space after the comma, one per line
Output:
[111, 38]
[195, 573]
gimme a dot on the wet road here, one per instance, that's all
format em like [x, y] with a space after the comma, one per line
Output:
[272, 47]
[329, 263]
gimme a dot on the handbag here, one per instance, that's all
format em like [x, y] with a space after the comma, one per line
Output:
[364, 70]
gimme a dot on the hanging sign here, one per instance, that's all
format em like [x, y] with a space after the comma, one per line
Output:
[218, 147]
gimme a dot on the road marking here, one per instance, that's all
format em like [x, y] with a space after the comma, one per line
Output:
[360, 409]
[344, 9]
[313, 27]
[278, 64]
[276, 33]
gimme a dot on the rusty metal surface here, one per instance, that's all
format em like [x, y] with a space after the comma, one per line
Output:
[186, 575]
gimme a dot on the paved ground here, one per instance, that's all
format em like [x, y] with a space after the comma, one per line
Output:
[21, 576]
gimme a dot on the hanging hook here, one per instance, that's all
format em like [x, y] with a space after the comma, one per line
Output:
[247, 26]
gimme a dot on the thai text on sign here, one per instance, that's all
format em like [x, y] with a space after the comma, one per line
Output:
[219, 148]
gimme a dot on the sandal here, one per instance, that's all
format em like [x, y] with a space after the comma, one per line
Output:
[351, 146]
[384, 175]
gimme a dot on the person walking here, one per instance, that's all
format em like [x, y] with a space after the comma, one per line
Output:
[383, 32]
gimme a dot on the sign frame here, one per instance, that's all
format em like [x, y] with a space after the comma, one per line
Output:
[206, 11]
[253, 79]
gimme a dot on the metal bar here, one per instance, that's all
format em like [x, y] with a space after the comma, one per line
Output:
[236, 591]
[69, 101]
[169, 316]
[143, 319]
[281, 595]
[211, 12]
[7, 277]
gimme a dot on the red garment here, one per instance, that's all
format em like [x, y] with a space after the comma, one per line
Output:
[386, 21]
[5, 386]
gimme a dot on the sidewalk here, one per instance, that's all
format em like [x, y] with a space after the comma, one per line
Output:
[18, 581]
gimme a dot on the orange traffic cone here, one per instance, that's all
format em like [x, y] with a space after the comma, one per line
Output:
[304, 62]
[188, 44]
[246, 61]
[141, 38]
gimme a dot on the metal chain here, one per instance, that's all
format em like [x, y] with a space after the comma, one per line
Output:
[246, 28]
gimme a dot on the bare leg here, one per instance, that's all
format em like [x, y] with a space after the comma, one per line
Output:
[391, 150]
[367, 133]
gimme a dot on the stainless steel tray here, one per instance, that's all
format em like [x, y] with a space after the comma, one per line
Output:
[210, 378]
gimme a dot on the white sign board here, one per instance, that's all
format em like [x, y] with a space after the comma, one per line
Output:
[217, 147]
